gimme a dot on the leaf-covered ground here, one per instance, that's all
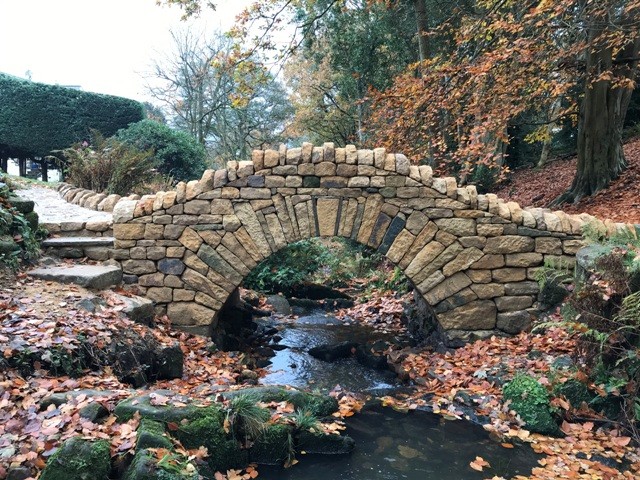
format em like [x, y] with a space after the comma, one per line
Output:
[36, 315]
[539, 187]
[471, 377]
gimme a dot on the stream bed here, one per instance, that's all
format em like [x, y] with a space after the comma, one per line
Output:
[389, 445]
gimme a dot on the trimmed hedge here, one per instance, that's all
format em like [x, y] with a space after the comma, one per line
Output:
[36, 118]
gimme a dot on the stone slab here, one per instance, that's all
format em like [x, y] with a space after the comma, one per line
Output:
[90, 276]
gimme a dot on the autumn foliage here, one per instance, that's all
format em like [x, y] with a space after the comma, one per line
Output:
[508, 61]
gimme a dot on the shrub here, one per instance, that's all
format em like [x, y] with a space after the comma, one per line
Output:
[19, 237]
[107, 165]
[177, 153]
[530, 401]
[289, 267]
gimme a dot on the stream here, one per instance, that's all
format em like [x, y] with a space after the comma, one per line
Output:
[389, 445]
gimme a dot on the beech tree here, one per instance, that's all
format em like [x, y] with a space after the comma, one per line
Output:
[512, 57]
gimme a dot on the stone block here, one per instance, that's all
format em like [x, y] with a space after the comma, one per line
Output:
[197, 207]
[402, 164]
[171, 266]
[571, 247]
[448, 287]
[509, 244]
[522, 288]
[460, 227]
[548, 245]
[509, 275]
[138, 267]
[488, 290]
[477, 315]
[365, 157]
[173, 232]
[462, 261]
[325, 169]
[128, 231]
[190, 314]
[151, 280]
[530, 259]
[359, 182]
[479, 276]
[160, 294]
[514, 322]
[512, 303]
[249, 193]
[153, 232]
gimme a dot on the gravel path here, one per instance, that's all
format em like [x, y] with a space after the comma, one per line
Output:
[52, 208]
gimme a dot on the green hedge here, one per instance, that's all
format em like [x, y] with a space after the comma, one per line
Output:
[177, 153]
[36, 118]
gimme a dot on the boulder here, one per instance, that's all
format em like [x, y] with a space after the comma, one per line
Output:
[79, 459]
[279, 304]
[330, 352]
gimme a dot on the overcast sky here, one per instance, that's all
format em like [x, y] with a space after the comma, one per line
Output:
[104, 46]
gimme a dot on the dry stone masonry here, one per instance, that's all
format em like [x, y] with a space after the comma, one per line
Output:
[472, 257]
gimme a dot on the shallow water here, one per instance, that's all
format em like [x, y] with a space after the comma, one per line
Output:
[389, 444]
[413, 446]
[294, 366]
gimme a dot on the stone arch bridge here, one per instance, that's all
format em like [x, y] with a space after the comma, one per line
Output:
[471, 257]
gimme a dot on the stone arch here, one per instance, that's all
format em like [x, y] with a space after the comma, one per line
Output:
[471, 257]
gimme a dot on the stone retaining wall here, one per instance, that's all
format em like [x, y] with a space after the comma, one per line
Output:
[472, 257]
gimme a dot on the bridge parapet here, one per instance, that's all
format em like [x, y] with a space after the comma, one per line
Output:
[472, 257]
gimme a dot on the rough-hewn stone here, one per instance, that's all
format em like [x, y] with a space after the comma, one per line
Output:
[470, 256]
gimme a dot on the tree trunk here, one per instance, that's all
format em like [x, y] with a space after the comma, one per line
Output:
[422, 26]
[45, 170]
[554, 111]
[4, 164]
[602, 113]
[22, 167]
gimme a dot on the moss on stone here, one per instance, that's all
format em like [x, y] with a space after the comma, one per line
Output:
[79, 459]
[151, 434]
[316, 404]
[146, 467]
[530, 401]
[162, 413]
[323, 443]
[273, 446]
[208, 431]
[575, 391]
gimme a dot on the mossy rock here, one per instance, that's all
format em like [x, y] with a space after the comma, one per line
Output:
[530, 400]
[79, 459]
[324, 443]
[22, 205]
[575, 391]
[162, 413]
[151, 434]
[273, 446]
[610, 406]
[93, 411]
[8, 246]
[316, 404]
[32, 218]
[208, 431]
[146, 467]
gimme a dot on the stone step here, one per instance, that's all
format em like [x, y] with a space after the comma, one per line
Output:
[89, 276]
[78, 242]
[95, 248]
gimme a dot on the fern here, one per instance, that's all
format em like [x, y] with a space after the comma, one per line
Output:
[629, 313]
